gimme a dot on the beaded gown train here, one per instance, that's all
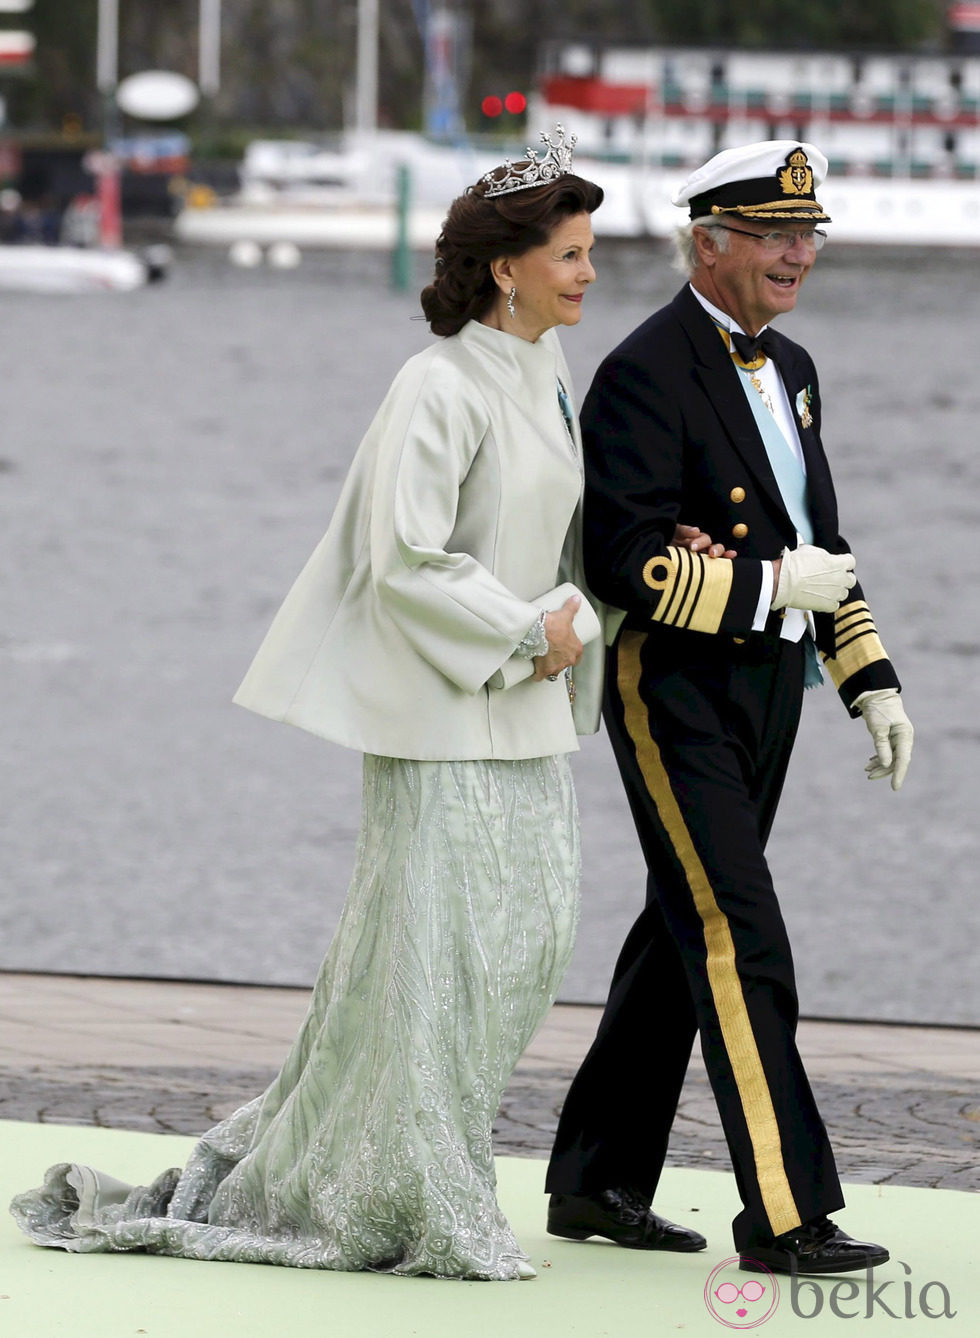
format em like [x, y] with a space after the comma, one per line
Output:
[371, 1150]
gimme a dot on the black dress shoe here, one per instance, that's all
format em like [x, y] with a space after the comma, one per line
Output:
[813, 1248]
[621, 1215]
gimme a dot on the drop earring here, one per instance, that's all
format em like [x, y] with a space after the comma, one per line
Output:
[510, 303]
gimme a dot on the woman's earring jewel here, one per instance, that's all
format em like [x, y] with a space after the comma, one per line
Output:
[510, 303]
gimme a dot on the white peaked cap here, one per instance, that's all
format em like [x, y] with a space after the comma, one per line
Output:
[775, 178]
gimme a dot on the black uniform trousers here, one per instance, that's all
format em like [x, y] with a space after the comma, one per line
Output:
[702, 735]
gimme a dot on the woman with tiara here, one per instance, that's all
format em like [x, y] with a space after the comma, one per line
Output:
[438, 628]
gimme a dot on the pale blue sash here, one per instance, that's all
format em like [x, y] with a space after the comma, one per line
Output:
[791, 481]
[786, 466]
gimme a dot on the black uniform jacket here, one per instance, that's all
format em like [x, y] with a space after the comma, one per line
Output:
[669, 436]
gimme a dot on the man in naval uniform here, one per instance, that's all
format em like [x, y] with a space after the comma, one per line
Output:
[704, 414]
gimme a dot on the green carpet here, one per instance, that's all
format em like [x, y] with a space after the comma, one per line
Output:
[592, 1290]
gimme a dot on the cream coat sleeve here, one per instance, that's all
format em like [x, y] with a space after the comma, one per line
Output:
[450, 525]
[445, 601]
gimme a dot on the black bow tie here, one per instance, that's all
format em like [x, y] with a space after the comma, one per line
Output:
[748, 347]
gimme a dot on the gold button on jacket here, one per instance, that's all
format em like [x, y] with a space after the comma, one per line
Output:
[740, 530]
[737, 494]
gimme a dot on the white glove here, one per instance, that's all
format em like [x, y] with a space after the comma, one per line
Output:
[892, 732]
[812, 578]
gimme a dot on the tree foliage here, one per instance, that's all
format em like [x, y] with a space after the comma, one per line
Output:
[826, 24]
[290, 63]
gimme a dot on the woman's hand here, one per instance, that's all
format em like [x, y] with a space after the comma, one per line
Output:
[689, 536]
[564, 647]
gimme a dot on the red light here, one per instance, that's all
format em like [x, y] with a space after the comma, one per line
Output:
[492, 106]
[516, 103]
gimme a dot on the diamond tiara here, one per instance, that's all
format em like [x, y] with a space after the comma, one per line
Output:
[539, 168]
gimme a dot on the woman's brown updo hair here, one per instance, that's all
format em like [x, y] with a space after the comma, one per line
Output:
[478, 230]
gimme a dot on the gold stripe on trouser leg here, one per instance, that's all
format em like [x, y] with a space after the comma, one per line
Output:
[726, 988]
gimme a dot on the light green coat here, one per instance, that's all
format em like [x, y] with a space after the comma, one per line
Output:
[463, 503]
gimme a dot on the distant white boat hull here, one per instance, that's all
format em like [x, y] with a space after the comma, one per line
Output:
[919, 212]
[360, 227]
[67, 269]
[874, 210]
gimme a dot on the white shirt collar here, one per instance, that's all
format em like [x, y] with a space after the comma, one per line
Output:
[720, 317]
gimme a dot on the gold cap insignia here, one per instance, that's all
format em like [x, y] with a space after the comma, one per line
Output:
[796, 178]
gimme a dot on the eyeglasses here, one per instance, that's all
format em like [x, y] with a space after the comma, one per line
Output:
[781, 241]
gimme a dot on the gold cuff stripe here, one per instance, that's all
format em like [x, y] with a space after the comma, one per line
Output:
[851, 613]
[844, 641]
[682, 584]
[856, 642]
[718, 576]
[855, 656]
[850, 626]
[726, 988]
[695, 591]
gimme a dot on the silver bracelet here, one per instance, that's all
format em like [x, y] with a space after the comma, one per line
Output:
[535, 641]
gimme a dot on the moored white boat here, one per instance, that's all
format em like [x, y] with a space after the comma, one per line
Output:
[348, 225]
[873, 210]
[69, 269]
[869, 210]
[901, 131]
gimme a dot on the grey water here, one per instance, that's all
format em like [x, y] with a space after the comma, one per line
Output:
[168, 459]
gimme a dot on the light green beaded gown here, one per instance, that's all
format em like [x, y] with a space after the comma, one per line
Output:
[371, 1150]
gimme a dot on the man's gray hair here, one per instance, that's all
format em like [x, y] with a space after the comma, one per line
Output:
[685, 252]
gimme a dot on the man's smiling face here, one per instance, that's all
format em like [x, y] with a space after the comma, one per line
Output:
[748, 281]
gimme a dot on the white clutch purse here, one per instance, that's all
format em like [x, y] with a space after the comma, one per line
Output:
[585, 623]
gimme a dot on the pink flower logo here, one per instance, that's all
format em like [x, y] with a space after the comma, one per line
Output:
[740, 1302]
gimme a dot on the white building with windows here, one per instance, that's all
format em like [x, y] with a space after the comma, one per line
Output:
[902, 132]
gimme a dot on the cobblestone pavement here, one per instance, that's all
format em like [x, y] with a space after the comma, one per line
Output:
[902, 1103]
[900, 1128]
